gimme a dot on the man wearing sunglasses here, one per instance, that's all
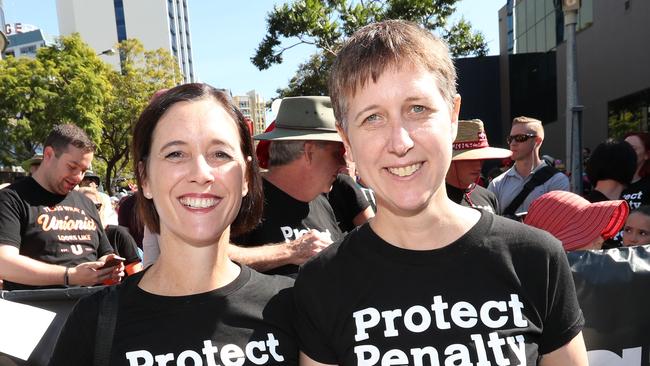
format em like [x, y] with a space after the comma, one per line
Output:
[530, 176]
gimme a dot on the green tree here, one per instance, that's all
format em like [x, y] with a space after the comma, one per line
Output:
[65, 83]
[142, 73]
[326, 24]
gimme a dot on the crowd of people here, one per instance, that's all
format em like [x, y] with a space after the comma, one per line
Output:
[352, 234]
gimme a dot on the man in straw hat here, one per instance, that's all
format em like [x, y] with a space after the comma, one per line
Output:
[305, 155]
[426, 281]
[470, 149]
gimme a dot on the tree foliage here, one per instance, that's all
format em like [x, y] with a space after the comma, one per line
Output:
[65, 83]
[326, 24]
[142, 73]
[69, 83]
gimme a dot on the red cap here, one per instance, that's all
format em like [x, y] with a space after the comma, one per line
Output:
[262, 149]
[575, 221]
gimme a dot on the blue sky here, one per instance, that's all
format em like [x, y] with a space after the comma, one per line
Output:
[225, 35]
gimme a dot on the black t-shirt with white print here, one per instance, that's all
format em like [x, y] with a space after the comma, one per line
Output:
[286, 219]
[245, 323]
[502, 294]
[51, 228]
[637, 193]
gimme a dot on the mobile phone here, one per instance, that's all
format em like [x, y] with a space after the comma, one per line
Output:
[114, 261]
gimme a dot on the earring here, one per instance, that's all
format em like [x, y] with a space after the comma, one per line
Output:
[147, 195]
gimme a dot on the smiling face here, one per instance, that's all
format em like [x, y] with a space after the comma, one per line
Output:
[400, 131]
[64, 172]
[196, 171]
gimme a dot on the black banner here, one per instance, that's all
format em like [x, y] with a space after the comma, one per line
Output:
[613, 288]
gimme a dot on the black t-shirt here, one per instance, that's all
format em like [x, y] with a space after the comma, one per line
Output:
[51, 228]
[637, 193]
[596, 196]
[476, 196]
[123, 243]
[286, 219]
[502, 293]
[347, 200]
[247, 322]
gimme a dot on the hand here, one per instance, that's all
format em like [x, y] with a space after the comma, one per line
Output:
[89, 273]
[308, 246]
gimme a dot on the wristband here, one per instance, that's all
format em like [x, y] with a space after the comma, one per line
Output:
[66, 278]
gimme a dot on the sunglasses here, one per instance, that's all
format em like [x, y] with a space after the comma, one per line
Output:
[520, 138]
[98, 206]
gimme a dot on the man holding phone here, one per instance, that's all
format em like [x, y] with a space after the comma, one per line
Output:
[51, 235]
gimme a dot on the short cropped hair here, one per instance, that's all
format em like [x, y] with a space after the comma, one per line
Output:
[250, 211]
[615, 160]
[285, 152]
[645, 140]
[62, 136]
[532, 123]
[373, 49]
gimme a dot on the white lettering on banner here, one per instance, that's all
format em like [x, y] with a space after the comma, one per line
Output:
[630, 357]
[492, 314]
[230, 354]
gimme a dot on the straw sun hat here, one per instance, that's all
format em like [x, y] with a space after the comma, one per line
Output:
[472, 144]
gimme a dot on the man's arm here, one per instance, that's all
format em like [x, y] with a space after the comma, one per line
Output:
[270, 256]
[21, 269]
[363, 216]
[306, 361]
[573, 353]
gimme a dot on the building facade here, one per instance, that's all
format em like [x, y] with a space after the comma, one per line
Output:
[253, 107]
[3, 38]
[25, 44]
[156, 23]
[613, 55]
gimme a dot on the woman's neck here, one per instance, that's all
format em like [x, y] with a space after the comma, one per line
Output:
[186, 269]
[610, 188]
[434, 227]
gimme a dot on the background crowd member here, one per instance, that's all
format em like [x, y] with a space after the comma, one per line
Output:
[529, 173]
[198, 181]
[51, 235]
[305, 155]
[577, 223]
[30, 165]
[610, 169]
[637, 193]
[127, 216]
[470, 149]
[384, 294]
[637, 227]
[119, 237]
[349, 203]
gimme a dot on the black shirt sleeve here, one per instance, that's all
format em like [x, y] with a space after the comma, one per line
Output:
[10, 213]
[123, 243]
[564, 318]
